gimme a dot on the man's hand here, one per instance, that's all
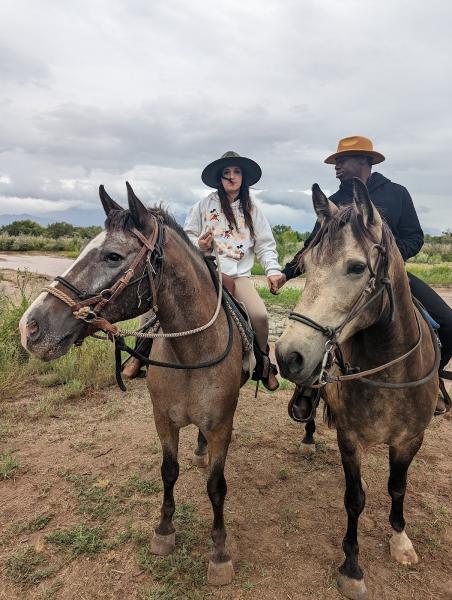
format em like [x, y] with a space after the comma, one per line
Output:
[275, 282]
[205, 241]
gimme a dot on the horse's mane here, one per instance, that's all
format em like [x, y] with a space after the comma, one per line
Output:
[323, 243]
[121, 220]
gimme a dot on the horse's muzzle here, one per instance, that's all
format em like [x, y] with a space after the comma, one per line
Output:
[290, 363]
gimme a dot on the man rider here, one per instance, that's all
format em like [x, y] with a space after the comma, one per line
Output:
[355, 157]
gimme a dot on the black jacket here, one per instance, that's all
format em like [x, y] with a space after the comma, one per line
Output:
[395, 205]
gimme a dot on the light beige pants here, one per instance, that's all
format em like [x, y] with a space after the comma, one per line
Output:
[246, 292]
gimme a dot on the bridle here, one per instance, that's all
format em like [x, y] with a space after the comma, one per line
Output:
[333, 353]
[88, 307]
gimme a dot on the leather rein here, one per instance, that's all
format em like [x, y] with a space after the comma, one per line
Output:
[333, 354]
[88, 307]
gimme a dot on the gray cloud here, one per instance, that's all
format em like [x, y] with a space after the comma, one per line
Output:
[150, 92]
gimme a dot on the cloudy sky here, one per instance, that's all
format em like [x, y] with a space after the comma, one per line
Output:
[152, 90]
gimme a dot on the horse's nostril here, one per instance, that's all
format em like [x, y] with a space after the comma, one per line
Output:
[32, 329]
[290, 362]
[295, 361]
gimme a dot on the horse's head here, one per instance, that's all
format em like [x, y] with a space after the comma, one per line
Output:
[48, 328]
[339, 264]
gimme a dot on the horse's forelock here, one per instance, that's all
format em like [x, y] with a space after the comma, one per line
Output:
[324, 244]
[122, 220]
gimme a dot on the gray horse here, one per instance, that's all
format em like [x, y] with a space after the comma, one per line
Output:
[349, 266]
[144, 259]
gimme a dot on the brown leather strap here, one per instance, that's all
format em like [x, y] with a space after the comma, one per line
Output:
[391, 363]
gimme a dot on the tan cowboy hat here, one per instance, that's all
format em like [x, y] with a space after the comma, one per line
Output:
[356, 144]
[250, 169]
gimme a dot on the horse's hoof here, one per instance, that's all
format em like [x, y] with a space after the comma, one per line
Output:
[355, 589]
[364, 485]
[402, 549]
[162, 545]
[307, 450]
[201, 460]
[220, 573]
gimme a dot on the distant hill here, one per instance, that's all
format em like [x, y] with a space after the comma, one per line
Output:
[79, 218]
[7, 219]
[76, 217]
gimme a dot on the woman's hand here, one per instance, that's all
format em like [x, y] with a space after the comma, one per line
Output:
[275, 282]
[205, 241]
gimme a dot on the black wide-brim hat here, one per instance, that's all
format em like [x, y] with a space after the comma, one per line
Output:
[251, 171]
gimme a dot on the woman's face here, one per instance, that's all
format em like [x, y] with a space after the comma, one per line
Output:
[231, 178]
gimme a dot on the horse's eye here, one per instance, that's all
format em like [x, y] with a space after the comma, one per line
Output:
[357, 268]
[112, 257]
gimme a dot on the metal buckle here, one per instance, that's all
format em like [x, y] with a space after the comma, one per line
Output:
[106, 294]
[329, 345]
[90, 316]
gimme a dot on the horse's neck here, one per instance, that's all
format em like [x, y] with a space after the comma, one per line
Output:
[187, 296]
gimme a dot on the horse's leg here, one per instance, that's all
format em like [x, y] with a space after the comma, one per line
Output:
[350, 577]
[307, 444]
[400, 458]
[201, 458]
[164, 539]
[220, 571]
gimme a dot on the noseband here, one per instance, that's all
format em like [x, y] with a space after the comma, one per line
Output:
[333, 354]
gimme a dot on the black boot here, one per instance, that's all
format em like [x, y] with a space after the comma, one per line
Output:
[132, 367]
[265, 370]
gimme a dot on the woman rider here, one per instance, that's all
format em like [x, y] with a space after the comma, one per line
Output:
[241, 232]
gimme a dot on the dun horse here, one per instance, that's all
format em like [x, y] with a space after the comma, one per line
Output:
[348, 320]
[142, 260]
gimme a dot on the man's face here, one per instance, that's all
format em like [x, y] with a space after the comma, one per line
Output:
[348, 167]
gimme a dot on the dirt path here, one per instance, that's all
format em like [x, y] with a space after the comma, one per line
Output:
[97, 460]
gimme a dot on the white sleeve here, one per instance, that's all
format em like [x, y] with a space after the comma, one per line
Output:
[264, 244]
[193, 223]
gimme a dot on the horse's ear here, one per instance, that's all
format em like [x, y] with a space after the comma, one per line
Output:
[324, 208]
[107, 202]
[363, 204]
[137, 209]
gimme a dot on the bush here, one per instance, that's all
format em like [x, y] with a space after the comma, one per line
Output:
[40, 243]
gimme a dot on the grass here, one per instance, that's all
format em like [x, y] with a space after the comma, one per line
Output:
[36, 524]
[22, 567]
[8, 465]
[181, 575]
[146, 487]
[84, 368]
[438, 274]
[92, 495]
[287, 297]
[80, 539]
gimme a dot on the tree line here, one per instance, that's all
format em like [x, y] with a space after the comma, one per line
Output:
[53, 231]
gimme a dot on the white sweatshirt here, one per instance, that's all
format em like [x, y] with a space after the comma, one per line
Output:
[236, 248]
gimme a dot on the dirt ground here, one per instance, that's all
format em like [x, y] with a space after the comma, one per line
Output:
[83, 496]
[284, 513]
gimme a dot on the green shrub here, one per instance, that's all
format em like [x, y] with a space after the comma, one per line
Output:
[439, 274]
